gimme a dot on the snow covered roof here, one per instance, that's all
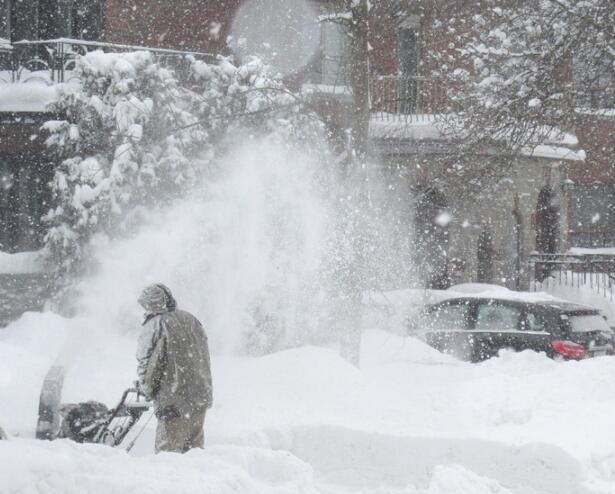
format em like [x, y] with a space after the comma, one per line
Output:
[31, 96]
[424, 127]
[555, 152]
[579, 251]
[597, 112]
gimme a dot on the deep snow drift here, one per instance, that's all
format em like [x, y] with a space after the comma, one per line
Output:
[244, 253]
[303, 420]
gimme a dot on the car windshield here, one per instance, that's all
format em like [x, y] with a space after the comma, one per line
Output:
[580, 323]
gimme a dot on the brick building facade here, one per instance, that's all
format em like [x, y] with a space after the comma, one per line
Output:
[401, 89]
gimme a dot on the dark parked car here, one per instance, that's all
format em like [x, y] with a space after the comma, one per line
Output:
[476, 328]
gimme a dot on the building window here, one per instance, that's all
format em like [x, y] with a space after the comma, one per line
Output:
[408, 52]
[408, 63]
[594, 82]
[592, 216]
[24, 20]
[24, 199]
[76, 19]
[51, 19]
[86, 20]
[329, 67]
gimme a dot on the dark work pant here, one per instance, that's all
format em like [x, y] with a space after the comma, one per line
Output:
[180, 434]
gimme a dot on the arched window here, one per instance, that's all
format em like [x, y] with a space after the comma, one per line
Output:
[431, 239]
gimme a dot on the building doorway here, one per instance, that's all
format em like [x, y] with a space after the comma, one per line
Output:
[547, 228]
[485, 254]
[431, 239]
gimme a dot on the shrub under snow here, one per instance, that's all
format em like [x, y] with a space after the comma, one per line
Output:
[133, 134]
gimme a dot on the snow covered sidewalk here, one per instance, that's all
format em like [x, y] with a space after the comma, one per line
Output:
[410, 421]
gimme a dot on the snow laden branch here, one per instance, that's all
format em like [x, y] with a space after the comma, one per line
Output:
[133, 135]
[518, 71]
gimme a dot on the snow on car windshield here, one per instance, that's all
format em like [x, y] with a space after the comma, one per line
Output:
[587, 322]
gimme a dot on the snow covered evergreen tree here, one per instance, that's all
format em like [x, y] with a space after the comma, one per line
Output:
[128, 138]
[134, 135]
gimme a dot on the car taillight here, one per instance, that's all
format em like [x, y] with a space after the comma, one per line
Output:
[569, 349]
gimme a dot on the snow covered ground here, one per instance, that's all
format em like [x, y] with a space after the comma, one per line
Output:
[303, 420]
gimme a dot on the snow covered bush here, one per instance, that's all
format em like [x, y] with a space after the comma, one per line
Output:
[134, 135]
[231, 98]
[128, 138]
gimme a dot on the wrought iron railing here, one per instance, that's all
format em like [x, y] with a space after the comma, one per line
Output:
[53, 60]
[593, 238]
[595, 271]
[394, 97]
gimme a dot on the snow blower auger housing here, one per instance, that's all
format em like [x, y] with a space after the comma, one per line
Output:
[87, 422]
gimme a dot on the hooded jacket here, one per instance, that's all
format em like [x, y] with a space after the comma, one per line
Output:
[173, 356]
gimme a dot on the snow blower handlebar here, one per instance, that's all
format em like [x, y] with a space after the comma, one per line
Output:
[87, 422]
[127, 413]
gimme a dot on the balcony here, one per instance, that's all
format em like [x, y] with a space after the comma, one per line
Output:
[406, 98]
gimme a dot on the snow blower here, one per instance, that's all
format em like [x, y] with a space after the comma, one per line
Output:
[90, 421]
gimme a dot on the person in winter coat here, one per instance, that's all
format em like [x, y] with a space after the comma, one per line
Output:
[174, 370]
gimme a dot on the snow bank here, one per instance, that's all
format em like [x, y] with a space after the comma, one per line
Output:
[34, 467]
[31, 96]
[411, 420]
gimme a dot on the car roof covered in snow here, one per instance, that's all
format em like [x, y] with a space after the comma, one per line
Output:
[559, 306]
[483, 291]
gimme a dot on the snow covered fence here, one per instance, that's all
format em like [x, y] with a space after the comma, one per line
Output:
[53, 60]
[585, 276]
